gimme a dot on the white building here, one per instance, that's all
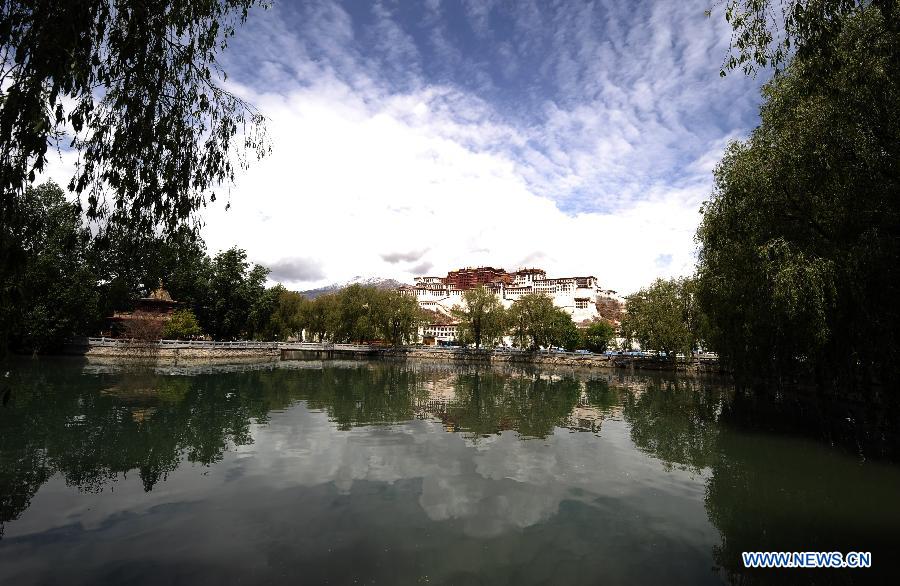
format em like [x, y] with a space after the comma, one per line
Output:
[577, 295]
[440, 333]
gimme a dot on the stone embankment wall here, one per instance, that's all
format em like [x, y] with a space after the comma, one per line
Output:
[152, 353]
[233, 352]
[589, 361]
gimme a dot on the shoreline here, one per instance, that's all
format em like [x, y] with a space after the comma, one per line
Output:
[264, 352]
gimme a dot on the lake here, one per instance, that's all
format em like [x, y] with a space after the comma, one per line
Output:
[343, 472]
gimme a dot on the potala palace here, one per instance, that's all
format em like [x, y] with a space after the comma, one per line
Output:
[577, 295]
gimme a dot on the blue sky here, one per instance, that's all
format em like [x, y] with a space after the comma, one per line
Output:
[415, 137]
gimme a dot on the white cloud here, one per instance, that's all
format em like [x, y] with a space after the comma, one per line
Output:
[296, 269]
[352, 176]
[371, 158]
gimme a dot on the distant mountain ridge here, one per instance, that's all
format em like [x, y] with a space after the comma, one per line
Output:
[377, 282]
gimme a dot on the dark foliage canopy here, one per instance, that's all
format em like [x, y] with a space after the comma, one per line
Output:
[770, 33]
[135, 89]
[56, 290]
[799, 246]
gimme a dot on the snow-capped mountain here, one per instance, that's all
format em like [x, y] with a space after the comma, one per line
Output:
[377, 282]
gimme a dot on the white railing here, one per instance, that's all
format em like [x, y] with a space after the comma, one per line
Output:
[316, 346]
[327, 346]
[179, 344]
[209, 344]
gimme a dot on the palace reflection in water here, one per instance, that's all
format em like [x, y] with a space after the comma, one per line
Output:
[402, 473]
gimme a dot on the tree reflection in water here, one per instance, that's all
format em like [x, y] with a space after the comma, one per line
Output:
[676, 421]
[766, 488]
[487, 402]
[92, 429]
[774, 484]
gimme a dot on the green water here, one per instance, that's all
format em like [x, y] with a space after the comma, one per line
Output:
[358, 473]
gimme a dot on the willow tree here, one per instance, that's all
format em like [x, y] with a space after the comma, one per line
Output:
[135, 90]
[534, 322]
[663, 317]
[597, 336]
[286, 316]
[397, 317]
[770, 33]
[800, 243]
[319, 317]
[481, 317]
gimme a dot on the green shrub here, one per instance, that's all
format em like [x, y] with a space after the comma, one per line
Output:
[182, 324]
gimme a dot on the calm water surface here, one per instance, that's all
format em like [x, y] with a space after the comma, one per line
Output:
[356, 472]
